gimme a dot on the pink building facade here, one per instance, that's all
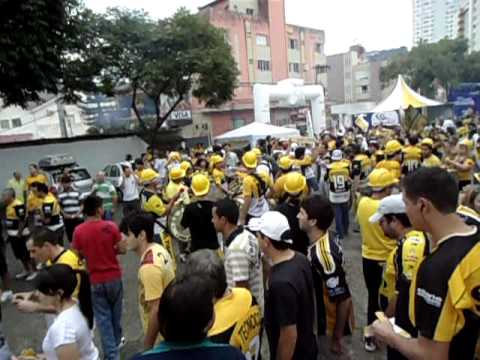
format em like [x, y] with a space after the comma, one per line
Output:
[267, 50]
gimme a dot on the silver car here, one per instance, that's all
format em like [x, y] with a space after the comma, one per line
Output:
[55, 166]
[82, 181]
[114, 173]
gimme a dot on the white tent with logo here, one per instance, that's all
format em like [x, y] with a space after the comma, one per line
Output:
[402, 97]
[256, 130]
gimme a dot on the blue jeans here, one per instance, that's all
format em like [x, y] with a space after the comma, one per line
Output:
[312, 184]
[107, 308]
[108, 215]
[342, 219]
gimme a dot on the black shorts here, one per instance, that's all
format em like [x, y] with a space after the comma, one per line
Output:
[19, 247]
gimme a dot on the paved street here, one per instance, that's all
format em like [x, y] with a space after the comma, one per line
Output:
[25, 331]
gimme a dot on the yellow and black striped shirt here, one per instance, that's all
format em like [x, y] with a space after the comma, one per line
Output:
[326, 259]
[445, 294]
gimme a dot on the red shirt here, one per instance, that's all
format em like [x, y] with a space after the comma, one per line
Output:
[97, 242]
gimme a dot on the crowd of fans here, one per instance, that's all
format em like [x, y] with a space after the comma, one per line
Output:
[241, 250]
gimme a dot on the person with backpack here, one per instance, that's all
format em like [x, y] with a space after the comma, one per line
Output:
[254, 190]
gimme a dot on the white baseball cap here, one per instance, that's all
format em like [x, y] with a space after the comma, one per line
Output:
[273, 225]
[337, 155]
[263, 168]
[392, 204]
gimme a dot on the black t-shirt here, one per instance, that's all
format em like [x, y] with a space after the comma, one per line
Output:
[326, 258]
[446, 305]
[300, 239]
[289, 301]
[198, 218]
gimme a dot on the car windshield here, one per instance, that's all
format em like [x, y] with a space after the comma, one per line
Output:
[76, 174]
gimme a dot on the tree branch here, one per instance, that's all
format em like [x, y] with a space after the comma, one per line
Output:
[135, 109]
[165, 117]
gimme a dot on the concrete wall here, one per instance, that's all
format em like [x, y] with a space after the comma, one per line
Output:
[336, 80]
[92, 154]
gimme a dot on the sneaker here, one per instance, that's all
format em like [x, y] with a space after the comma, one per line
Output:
[370, 345]
[6, 296]
[22, 275]
[122, 343]
[32, 276]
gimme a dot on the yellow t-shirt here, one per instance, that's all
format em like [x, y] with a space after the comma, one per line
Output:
[155, 273]
[389, 277]
[403, 261]
[306, 161]
[375, 245]
[466, 175]
[34, 206]
[15, 215]
[70, 258]
[412, 158]
[238, 317]
[251, 187]
[267, 179]
[138, 173]
[37, 178]
[432, 161]
[278, 187]
[51, 210]
[218, 176]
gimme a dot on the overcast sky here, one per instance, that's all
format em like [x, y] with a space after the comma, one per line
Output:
[376, 24]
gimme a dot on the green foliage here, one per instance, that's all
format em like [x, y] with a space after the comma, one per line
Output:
[446, 63]
[60, 46]
[39, 41]
[175, 57]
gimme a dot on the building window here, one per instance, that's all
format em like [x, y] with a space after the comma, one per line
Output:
[293, 44]
[4, 124]
[16, 122]
[250, 12]
[362, 76]
[294, 67]
[238, 122]
[364, 89]
[321, 69]
[262, 40]
[263, 65]
[319, 48]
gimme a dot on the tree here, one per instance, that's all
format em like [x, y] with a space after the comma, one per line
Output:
[174, 57]
[446, 63]
[42, 48]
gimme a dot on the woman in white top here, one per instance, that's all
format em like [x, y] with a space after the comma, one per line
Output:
[70, 336]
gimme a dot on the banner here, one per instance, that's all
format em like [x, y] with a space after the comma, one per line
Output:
[361, 123]
[388, 118]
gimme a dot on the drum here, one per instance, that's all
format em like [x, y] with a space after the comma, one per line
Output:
[174, 224]
[235, 187]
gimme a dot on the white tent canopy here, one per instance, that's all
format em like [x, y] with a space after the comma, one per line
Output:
[403, 97]
[256, 130]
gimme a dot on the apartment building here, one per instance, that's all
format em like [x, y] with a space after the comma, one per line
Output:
[267, 50]
[354, 76]
[434, 20]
